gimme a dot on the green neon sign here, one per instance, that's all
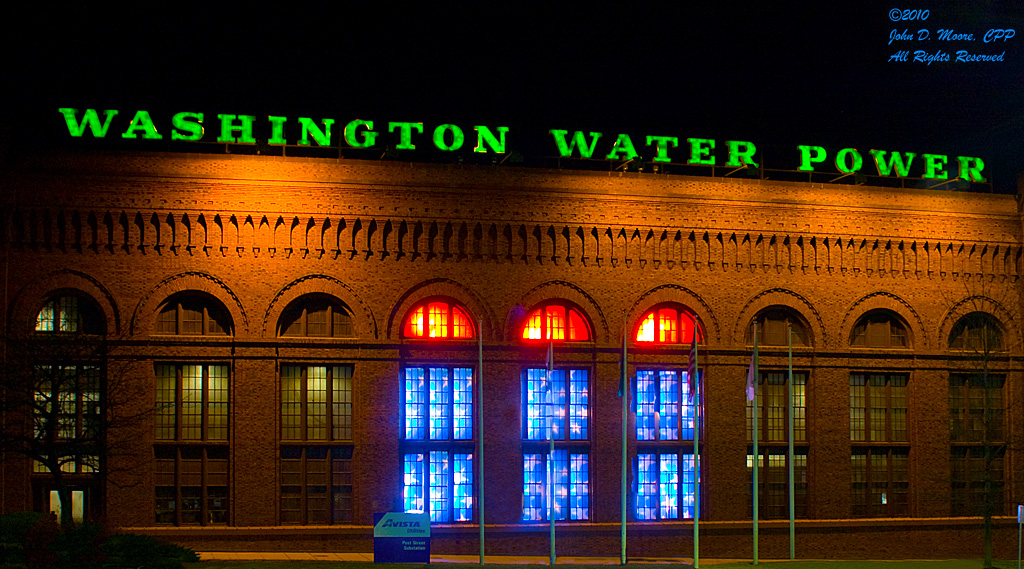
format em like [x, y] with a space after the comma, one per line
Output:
[189, 126]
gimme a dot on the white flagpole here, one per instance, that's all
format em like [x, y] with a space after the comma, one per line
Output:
[625, 411]
[480, 433]
[696, 456]
[551, 449]
[757, 380]
[792, 500]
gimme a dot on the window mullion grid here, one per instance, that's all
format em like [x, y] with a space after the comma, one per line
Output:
[179, 374]
[329, 399]
[205, 402]
[203, 494]
[329, 467]
[868, 420]
[890, 487]
[887, 398]
[303, 418]
[177, 487]
[79, 412]
[303, 485]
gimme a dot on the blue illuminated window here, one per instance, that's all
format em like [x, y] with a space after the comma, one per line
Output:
[412, 486]
[663, 491]
[462, 482]
[437, 403]
[445, 478]
[664, 411]
[437, 408]
[545, 404]
[568, 482]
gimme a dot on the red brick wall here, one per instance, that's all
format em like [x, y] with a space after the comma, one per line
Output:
[724, 248]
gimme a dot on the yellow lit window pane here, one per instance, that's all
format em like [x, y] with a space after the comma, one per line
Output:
[461, 327]
[414, 326]
[667, 330]
[646, 331]
[192, 402]
[556, 322]
[44, 322]
[533, 328]
[437, 320]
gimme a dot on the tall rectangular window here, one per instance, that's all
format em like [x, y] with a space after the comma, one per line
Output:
[878, 416]
[663, 466]
[773, 436]
[664, 410]
[773, 482]
[192, 402]
[880, 481]
[565, 477]
[316, 402]
[878, 407]
[439, 482]
[437, 407]
[665, 486]
[976, 407]
[432, 397]
[556, 405]
[316, 485]
[978, 480]
[772, 413]
[978, 445]
[545, 404]
[71, 395]
[191, 485]
[191, 480]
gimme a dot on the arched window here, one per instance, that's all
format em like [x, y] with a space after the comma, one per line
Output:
[193, 313]
[668, 324]
[771, 327]
[556, 321]
[438, 319]
[879, 329]
[315, 316]
[978, 332]
[70, 313]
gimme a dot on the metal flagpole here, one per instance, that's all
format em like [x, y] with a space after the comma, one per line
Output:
[551, 450]
[756, 457]
[625, 403]
[792, 499]
[480, 433]
[696, 455]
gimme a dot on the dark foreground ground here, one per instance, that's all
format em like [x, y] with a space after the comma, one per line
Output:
[297, 563]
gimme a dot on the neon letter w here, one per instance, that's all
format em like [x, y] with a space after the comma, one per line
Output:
[91, 119]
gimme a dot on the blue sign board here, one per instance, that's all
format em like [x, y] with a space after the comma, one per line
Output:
[400, 537]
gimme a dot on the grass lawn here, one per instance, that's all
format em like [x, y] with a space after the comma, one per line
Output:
[900, 564]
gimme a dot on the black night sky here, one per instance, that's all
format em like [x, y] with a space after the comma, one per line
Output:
[778, 74]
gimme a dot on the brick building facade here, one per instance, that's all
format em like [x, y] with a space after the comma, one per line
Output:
[304, 335]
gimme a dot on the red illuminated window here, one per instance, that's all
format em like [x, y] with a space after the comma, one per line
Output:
[668, 324]
[438, 319]
[556, 322]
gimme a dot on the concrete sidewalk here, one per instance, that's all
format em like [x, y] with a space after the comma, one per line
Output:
[471, 559]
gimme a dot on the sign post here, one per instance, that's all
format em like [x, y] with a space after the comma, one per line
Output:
[1020, 522]
[400, 537]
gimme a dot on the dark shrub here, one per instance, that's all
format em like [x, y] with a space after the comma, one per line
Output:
[129, 550]
[79, 548]
[13, 528]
